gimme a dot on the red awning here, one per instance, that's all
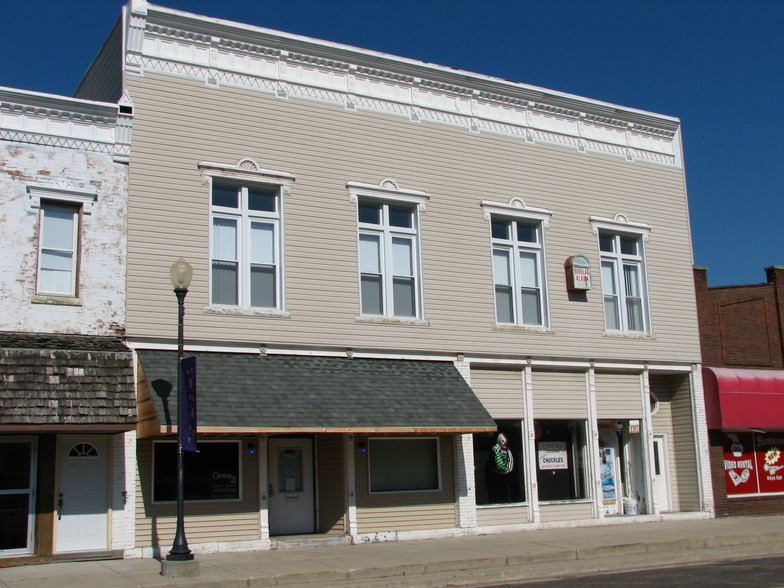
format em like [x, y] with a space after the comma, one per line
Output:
[744, 399]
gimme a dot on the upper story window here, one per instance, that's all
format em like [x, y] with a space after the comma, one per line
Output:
[246, 236]
[519, 275]
[389, 257]
[624, 277]
[245, 245]
[58, 249]
[61, 211]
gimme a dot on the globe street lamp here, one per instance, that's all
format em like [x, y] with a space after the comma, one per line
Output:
[181, 273]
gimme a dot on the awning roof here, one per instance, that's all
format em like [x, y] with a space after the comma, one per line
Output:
[744, 399]
[245, 393]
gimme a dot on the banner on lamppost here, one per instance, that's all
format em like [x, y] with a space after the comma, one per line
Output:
[188, 412]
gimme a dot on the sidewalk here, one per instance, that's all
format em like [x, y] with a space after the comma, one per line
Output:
[465, 561]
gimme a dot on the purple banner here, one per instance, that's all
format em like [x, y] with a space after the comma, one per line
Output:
[188, 413]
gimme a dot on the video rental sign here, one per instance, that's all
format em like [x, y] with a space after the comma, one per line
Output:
[754, 463]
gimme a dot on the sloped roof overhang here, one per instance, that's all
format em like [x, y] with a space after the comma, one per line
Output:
[247, 393]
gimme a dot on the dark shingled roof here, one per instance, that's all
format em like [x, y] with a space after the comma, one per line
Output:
[55, 380]
[307, 392]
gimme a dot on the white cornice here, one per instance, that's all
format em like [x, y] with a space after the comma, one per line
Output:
[220, 52]
[65, 123]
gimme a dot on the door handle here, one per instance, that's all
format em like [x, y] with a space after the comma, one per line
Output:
[60, 506]
[270, 490]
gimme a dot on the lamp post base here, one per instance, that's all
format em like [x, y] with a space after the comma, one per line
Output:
[180, 569]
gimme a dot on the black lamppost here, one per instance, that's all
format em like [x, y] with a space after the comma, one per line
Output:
[181, 273]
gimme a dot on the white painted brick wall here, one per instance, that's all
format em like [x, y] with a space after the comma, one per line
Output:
[103, 239]
[123, 491]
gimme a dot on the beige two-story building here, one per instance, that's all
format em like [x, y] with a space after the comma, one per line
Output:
[425, 302]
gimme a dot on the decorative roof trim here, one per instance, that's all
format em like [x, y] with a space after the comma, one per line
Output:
[182, 44]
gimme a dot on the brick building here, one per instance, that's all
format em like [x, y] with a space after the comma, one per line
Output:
[742, 337]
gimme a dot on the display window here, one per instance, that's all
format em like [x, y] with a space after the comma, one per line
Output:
[754, 463]
[498, 465]
[213, 473]
[560, 459]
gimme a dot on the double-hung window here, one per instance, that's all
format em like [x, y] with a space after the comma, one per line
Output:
[624, 282]
[389, 259]
[519, 277]
[58, 249]
[245, 245]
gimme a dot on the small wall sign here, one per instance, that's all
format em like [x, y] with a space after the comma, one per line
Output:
[578, 273]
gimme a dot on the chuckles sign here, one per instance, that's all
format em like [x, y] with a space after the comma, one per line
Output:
[552, 455]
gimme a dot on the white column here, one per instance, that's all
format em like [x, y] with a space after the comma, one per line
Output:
[594, 456]
[351, 487]
[701, 442]
[647, 446]
[262, 458]
[123, 491]
[464, 481]
[529, 447]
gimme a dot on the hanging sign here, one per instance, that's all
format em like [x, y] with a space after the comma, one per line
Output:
[188, 413]
[552, 455]
[578, 273]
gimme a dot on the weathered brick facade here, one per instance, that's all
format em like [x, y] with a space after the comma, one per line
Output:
[741, 327]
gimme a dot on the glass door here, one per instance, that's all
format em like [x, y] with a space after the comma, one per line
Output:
[17, 483]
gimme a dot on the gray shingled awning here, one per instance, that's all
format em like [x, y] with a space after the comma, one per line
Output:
[280, 393]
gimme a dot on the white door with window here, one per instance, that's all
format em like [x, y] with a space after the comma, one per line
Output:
[82, 494]
[661, 479]
[291, 491]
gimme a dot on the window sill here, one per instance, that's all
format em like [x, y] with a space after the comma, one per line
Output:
[56, 300]
[523, 328]
[391, 320]
[628, 335]
[504, 505]
[246, 311]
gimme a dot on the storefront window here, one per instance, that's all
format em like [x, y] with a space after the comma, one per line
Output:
[754, 463]
[404, 464]
[560, 459]
[211, 474]
[498, 465]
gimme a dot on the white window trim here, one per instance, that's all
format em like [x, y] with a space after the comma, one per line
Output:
[388, 191]
[620, 225]
[70, 298]
[517, 210]
[86, 199]
[438, 461]
[240, 481]
[247, 172]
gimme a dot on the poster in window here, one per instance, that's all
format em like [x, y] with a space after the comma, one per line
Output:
[552, 455]
[770, 462]
[739, 464]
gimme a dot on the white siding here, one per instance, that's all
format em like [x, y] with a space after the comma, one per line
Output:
[560, 395]
[618, 396]
[501, 391]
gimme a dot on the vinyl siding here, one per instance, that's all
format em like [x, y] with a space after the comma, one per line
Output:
[407, 511]
[560, 395]
[501, 515]
[501, 392]
[618, 396]
[550, 513]
[685, 451]
[206, 522]
[178, 123]
[331, 492]
[103, 81]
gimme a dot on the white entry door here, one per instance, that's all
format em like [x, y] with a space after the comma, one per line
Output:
[291, 504]
[82, 494]
[661, 479]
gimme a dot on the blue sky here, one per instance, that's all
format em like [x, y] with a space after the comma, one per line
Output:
[718, 65]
